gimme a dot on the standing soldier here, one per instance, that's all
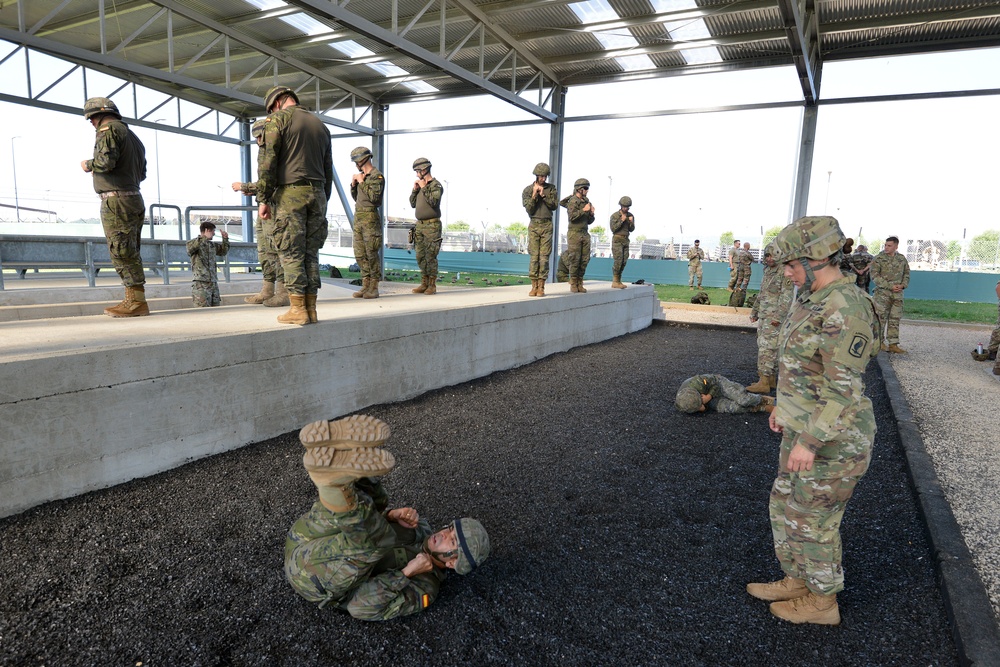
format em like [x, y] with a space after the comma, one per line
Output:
[743, 271]
[734, 253]
[891, 275]
[580, 213]
[118, 166]
[826, 421]
[205, 281]
[367, 186]
[539, 200]
[770, 309]
[272, 292]
[295, 180]
[695, 257]
[426, 199]
[861, 263]
[622, 224]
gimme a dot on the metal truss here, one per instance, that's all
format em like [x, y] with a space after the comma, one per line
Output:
[802, 28]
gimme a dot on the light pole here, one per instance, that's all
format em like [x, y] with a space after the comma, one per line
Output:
[447, 204]
[829, 177]
[13, 159]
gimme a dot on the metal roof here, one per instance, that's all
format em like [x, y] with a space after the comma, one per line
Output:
[344, 57]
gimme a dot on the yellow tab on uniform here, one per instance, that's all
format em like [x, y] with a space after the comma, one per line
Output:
[103, 127]
[425, 600]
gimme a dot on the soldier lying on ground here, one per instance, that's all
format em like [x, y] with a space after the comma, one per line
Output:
[714, 392]
[353, 552]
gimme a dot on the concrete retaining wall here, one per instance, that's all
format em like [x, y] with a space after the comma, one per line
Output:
[90, 402]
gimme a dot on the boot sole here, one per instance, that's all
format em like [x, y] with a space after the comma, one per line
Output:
[776, 596]
[347, 433]
[139, 312]
[354, 463]
[823, 618]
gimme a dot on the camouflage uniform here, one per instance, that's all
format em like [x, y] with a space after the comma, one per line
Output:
[577, 237]
[858, 260]
[354, 559]
[701, 298]
[295, 176]
[888, 270]
[727, 396]
[695, 257]
[427, 235]
[826, 342]
[118, 166]
[270, 264]
[994, 345]
[367, 196]
[734, 254]
[539, 228]
[743, 269]
[619, 241]
[562, 271]
[770, 308]
[205, 282]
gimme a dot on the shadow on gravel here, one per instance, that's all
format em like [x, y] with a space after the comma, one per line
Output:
[624, 534]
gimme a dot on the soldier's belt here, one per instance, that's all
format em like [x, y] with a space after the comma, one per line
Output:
[118, 193]
[430, 220]
[304, 181]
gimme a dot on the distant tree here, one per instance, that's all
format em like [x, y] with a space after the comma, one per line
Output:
[517, 229]
[458, 226]
[954, 251]
[726, 239]
[495, 228]
[770, 234]
[640, 238]
[600, 232]
[984, 246]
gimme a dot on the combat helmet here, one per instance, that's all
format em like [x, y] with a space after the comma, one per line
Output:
[581, 183]
[99, 105]
[541, 169]
[625, 201]
[276, 92]
[473, 545]
[688, 399]
[815, 237]
[421, 163]
[257, 129]
[360, 154]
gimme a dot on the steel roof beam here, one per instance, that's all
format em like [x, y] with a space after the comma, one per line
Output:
[799, 17]
[668, 47]
[506, 39]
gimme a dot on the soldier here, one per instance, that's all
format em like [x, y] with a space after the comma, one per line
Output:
[695, 257]
[272, 292]
[743, 271]
[826, 421]
[734, 253]
[295, 180]
[714, 392]
[562, 271]
[580, 214]
[622, 224]
[539, 200]
[350, 551]
[701, 298]
[426, 199]
[118, 166]
[861, 264]
[367, 187]
[205, 282]
[990, 353]
[891, 274]
[770, 308]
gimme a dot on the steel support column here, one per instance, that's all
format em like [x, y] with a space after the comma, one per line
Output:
[556, 132]
[246, 175]
[804, 162]
[378, 158]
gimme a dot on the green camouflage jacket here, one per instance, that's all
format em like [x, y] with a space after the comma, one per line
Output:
[775, 297]
[203, 253]
[888, 270]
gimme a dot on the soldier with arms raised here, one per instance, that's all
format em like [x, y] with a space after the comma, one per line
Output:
[367, 188]
[622, 224]
[425, 198]
[580, 214]
[539, 200]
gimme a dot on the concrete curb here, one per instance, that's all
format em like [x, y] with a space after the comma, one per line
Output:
[970, 613]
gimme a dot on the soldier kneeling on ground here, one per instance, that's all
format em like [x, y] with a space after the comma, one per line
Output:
[702, 393]
[352, 552]
[702, 298]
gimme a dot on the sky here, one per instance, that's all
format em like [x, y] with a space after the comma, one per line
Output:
[919, 169]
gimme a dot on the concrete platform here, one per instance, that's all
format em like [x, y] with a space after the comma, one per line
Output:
[90, 401]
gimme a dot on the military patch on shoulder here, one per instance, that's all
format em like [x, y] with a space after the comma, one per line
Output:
[854, 345]
[858, 346]
[379, 176]
[103, 128]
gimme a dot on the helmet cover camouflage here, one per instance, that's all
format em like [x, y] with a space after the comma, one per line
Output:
[276, 92]
[99, 105]
[814, 237]
[581, 183]
[688, 400]
[625, 201]
[360, 153]
[541, 169]
[473, 545]
[421, 163]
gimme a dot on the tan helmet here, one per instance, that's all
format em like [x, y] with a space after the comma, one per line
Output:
[421, 163]
[276, 92]
[688, 399]
[625, 201]
[99, 105]
[581, 183]
[257, 129]
[473, 545]
[541, 169]
[360, 154]
[813, 237]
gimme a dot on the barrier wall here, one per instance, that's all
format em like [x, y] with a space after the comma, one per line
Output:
[90, 402]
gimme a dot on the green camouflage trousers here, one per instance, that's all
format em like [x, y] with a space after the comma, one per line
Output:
[562, 271]
[300, 230]
[577, 251]
[368, 243]
[122, 218]
[889, 307]
[539, 248]
[767, 347]
[619, 250]
[270, 265]
[427, 240]
[806, 509]
[692, 272]
[734, 399]
[742, 276]
[205, 294]
[995, 336]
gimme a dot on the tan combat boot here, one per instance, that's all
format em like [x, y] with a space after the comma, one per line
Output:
[895, 349]
[761, 386]
[361, 292]
[573, 286]
[422, 287]
[311, 308]
[351, 432]
[534, 287]
[616, 282]
[431, 285]
[297, 313]
[541, 287]
[772, 380]
[133, 305]
[372, 291]
[884, 347]
[788, 588]
[810, 608]
[766, 404]
[265, 293]
[333, 471]
[280, 296]
[579, 285]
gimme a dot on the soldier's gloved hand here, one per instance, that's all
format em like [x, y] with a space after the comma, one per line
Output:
[421, 563]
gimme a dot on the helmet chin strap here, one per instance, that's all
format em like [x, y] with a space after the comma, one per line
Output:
[809, 269]
[436, 556]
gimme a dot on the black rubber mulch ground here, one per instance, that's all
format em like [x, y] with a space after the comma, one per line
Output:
[624, 534]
